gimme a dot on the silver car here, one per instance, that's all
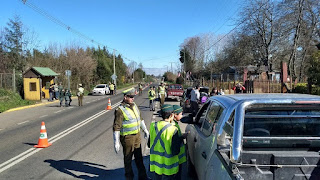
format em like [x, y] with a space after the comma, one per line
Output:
[255, 136]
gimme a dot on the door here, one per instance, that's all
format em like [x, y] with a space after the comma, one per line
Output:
[205, 141]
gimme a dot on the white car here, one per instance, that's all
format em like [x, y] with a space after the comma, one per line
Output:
[101, 89]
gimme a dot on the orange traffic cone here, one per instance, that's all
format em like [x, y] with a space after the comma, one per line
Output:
[109, 105]
[43, 139]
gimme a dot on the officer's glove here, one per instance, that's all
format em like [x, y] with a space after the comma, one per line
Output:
[144, 128]
[116, 139]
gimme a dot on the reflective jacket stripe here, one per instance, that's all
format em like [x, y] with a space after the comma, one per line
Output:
[131, 122]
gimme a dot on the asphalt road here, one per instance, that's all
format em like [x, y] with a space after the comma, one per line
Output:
[81, 137]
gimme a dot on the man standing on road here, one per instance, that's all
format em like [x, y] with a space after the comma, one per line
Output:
[152, 96]
[140, 89]
[162, 94]
[126, 129]
[80, 94]
[195, 98]
[111, 86]
[164, 146]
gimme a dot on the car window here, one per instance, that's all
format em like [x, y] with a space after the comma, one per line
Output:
[213, 114]
[202, 114]
[100, 86]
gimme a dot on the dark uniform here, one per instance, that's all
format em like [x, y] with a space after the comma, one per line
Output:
[130, 137]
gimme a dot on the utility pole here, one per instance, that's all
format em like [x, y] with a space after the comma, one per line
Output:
[171, 66]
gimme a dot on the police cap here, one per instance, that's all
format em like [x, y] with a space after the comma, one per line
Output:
[177, 109]
[167, 108]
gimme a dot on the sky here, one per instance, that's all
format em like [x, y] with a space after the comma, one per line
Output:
[144, 31]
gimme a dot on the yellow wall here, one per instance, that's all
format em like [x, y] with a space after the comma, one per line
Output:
[46, 91]
[31, 95]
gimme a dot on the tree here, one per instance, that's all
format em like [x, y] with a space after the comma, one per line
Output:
[14, 43]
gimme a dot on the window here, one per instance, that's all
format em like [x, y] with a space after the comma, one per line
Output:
[202, 114]
[33, 86]
[213, 115]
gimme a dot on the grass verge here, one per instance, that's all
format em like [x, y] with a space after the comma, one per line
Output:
[9, 100]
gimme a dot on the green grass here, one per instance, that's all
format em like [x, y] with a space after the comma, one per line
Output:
[9, 100]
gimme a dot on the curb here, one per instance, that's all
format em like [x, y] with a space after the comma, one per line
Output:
[30, 106]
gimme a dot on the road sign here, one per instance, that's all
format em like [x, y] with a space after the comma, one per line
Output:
[114, 77]
[68, 72]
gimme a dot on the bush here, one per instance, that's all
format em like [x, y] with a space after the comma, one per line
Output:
[10, 100]
[301, 88]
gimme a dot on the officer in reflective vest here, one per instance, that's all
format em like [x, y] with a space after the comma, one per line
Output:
[126, 129]
[151, 96]
[164, 146]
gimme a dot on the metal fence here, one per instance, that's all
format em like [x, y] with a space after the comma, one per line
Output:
[6, 80]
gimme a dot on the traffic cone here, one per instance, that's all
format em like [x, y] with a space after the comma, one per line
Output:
[109, 105]
[43, 139]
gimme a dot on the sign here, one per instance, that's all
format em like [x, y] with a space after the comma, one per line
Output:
[114, 77]
[68, 72]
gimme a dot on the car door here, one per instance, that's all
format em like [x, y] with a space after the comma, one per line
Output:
[204, 145]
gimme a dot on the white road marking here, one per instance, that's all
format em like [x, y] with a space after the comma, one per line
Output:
[88, 102]
[23, 122]
[58, 111]
[43, 116]
[15, 160]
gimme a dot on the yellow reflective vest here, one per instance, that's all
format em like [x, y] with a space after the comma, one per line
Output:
[151, 94]
[162, 161]
[131, 120]
[162, 90]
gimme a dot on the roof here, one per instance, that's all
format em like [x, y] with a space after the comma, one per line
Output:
[44, 71]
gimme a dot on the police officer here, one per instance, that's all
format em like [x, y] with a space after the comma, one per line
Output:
[162, 93]
[151, 96]
[80, 94]
[126, 129]
[177, 111]
[61, 96]
[111, 86]
[164, 146]
[140, 89]
[67, 96]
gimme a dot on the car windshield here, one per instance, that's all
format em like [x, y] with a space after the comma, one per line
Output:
[100, 86]
[205, 90]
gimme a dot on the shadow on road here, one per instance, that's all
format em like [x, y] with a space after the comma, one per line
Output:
[86, 169]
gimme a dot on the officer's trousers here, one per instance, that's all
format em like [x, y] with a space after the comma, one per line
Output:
[162, 97]
[132, 147]
[151, 104]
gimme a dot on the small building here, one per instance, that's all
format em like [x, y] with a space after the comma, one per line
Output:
[36, 82]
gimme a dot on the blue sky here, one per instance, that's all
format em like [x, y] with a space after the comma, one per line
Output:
[145, 31]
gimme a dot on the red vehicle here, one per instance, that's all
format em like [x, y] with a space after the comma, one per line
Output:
[174, 91]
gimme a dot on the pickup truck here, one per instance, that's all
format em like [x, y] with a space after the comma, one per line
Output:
[174, 91]
[255, 137]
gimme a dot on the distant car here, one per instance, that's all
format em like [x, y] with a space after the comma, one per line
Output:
[174, 91]
[255, 137]
[185, 100]
[101, 89]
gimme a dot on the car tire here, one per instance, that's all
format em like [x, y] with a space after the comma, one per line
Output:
[190, 167]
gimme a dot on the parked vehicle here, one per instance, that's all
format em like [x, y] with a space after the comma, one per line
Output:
[255, 137]
[101, 89]
[185, 100]
[174, 91]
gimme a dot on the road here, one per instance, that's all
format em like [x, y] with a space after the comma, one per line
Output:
[81, 137]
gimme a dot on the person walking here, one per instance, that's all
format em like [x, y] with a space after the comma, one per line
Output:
[126, 129]
[162, 93]
[80, 94]
[56, 91]
[67, 97]
[177, 111]
[61, 96]
[195, 98]
[111, 86]
[151, 96]
[164, 146]
[140, 89]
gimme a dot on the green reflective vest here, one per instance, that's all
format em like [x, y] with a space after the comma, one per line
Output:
[131, 120]
[162, 90]
[161, 159]
[151, 94]
[182, 154]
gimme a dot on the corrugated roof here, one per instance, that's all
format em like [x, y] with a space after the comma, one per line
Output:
[44, 71]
